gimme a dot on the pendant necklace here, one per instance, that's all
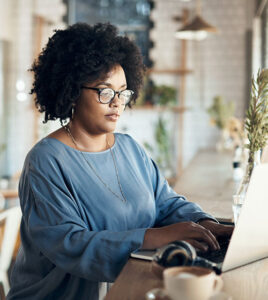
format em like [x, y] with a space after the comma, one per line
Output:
[123, 198]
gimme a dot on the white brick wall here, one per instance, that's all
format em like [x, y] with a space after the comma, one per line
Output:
[5, 19]
[219, 62]
[18, 29]
[141, 124]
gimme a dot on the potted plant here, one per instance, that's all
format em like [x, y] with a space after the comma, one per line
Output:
[153, 94]
[256, 125]
[164, 95]
[162, 152]
[221, 115]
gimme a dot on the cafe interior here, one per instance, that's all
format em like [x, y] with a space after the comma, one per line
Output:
[205, 64]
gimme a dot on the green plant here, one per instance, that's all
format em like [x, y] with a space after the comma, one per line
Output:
[161, 152]
[146, 93]
[156, 94]
[256, 123]
[164, 95]
[2, 148]
[221, 112]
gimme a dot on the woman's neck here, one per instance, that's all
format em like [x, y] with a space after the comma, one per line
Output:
[88, 142]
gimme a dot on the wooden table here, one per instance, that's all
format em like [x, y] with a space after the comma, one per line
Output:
[249, 282]
[208, 182]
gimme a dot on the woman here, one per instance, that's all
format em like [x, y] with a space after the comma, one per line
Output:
[89, 196]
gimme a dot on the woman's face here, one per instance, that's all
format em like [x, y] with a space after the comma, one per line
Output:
[97, 118]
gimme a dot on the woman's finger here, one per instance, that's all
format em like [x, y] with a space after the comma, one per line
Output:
[198, 245]
[226, 230]
[203, 234]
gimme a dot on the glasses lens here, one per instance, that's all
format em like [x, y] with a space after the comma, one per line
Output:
[126, 96]
[106, 95]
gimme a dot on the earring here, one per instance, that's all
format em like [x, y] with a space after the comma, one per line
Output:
[72, 112]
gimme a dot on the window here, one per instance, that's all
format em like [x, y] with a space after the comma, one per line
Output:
[132, 18]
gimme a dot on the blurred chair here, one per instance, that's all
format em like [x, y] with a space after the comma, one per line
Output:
[2, 292]
[9, 225]
[2, 201]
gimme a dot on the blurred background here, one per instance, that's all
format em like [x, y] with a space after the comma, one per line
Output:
[200, 57]
[195, 87]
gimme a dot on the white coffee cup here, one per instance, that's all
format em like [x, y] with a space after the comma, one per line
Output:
[191, 283]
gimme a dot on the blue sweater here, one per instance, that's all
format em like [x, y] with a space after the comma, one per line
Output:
[75, 233]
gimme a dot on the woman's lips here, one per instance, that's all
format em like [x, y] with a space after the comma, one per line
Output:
[112, 117]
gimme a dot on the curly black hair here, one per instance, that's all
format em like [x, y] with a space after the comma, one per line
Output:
[77, 55]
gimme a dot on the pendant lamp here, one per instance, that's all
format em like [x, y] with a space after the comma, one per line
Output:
[197, 29]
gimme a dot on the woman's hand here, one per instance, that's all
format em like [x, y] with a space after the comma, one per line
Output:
[217, 229]
[195, 234]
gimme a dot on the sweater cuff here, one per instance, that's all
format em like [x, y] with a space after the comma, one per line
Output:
[207, 218]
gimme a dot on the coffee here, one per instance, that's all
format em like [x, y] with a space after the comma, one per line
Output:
[191, 283]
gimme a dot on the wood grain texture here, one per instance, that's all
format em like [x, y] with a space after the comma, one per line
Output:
[135, 280]
[249, 282]
[208, 182]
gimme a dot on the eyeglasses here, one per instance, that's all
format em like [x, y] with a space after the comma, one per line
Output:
[106, 95]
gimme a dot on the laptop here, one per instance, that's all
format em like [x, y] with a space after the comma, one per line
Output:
[249, 241]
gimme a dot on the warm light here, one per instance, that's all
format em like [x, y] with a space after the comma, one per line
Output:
[197, 29]
[20, 85]
[21, 96]
[191, 35]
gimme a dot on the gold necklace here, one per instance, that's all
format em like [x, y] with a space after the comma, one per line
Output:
[67, 129]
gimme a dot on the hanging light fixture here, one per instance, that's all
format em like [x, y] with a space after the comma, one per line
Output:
[197, 29]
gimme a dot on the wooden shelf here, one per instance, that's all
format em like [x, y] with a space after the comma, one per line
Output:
[9, 193]
[169, 71]
[180, 109]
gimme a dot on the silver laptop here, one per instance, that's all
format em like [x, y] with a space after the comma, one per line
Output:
[264, 155]
[249, 241]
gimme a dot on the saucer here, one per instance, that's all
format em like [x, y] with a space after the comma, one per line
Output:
[161, 294]
[157, 294]
[220, 296]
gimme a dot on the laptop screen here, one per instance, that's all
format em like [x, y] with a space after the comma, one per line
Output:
[249, 241]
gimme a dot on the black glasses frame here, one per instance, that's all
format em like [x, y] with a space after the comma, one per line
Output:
[99, 90]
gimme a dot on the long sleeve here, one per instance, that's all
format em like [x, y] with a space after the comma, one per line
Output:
[75, 233]
[57, 229]
[170, 206]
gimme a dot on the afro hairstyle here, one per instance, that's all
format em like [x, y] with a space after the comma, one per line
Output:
[77, 55]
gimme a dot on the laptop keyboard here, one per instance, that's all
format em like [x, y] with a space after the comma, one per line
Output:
[218, 255]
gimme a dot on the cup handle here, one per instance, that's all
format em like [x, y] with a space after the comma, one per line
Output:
[218, 284]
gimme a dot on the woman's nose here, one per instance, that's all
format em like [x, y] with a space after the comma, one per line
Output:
[116, 101]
